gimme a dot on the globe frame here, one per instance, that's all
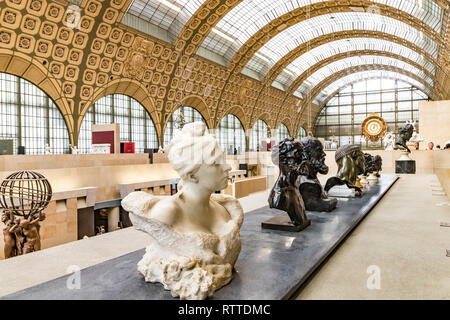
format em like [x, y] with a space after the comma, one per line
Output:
[25, 193]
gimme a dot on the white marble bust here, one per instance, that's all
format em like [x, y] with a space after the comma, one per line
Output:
[195, 233]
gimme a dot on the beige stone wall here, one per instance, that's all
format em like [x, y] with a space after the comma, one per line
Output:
[59, 226]
[434, 122]
[105, 178]
[56, 161]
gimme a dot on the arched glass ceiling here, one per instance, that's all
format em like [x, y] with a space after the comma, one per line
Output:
[318, 54]
[241, 23]
[339, 65]
[372, 74]
[170, 15]
[302, 32]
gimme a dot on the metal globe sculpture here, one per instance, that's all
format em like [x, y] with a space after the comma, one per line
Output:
[25, 193]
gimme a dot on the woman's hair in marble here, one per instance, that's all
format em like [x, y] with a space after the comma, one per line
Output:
[191, 147]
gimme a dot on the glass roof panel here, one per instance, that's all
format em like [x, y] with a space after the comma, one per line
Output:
[170, 15]
[244, 20]
[339, 65]
[302, 32]
[342, 82]
[318, 54]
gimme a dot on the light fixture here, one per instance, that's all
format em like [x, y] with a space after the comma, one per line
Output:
[170, 5]
[223, 35]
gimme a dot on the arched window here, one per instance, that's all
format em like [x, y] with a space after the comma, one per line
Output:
[190, 115]
[282, 132]
[301, 133]
[135, 122]
[231, 134]
[259, 132]
[392, 99]
[29, 118]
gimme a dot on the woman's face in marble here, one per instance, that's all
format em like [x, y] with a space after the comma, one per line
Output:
[213, 177]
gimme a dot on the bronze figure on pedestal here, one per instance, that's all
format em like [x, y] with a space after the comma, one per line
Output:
[309, 186]
[285, 196]
[350, 161]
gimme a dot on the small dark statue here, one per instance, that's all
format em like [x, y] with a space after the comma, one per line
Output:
[350, 161]
[309, 186]
[372, 164]
[406, 132]
[288, 155]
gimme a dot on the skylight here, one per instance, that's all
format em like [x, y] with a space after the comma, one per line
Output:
[337, 66]
[318, 54]
[372, 74]
[244, 20]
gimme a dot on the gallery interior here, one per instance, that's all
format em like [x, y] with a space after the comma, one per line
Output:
[225, 149]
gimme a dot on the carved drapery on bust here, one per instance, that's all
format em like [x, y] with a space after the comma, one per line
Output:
[195, 233]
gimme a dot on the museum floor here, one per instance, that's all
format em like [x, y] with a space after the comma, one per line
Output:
[401, 235]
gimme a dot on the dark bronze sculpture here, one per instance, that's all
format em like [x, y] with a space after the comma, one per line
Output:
[350, 161]
[406, 132]
[309, 186]
[372, 164]
[285, 196]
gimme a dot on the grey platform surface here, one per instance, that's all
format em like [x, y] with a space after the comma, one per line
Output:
[272, 264]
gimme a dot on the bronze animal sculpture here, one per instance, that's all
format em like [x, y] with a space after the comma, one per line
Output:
[350, 161]
[285, 196]
[406, 132]
[372, 164]
[309, 186]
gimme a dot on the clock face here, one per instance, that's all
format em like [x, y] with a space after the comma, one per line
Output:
[374, 127]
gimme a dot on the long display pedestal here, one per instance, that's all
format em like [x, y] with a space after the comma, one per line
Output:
[272, 264]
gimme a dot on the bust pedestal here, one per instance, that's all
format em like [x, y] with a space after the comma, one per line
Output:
[405, 164]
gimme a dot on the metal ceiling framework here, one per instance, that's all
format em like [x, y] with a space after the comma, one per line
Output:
[362, 77]
[427, 18]
[347, 55]
[358, 69]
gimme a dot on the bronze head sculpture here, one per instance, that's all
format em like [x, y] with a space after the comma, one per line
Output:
[405, 133]
[288, 155]
[309, 186]
[372, 164]
[350, 161]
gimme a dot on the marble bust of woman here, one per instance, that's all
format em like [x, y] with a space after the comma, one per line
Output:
[195, 233]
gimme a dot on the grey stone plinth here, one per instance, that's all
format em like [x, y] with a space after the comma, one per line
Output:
[283, 223]
[405, 166]
[272, 264]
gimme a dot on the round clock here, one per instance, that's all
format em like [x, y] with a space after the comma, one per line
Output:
[374, 127]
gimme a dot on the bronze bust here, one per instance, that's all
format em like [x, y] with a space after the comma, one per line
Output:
[372, 164]
[285, 196]
[406, 132]
[309, 186]
[350, 161]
